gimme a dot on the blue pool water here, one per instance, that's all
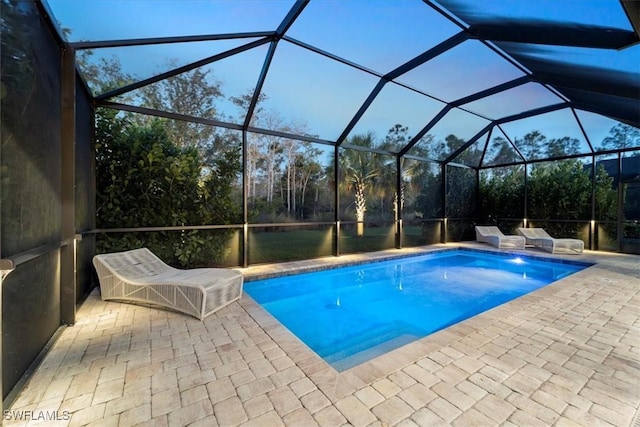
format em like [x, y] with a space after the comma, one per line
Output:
[352, 314]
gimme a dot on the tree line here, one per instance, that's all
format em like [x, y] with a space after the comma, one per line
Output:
[157, 172]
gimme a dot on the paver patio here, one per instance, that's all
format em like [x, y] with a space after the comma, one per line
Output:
[565, 355]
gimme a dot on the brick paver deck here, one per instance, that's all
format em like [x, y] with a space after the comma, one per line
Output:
[565, 355]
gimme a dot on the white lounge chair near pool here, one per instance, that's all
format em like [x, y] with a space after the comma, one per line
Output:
[539, 238]
[493, 236]
[140, 276]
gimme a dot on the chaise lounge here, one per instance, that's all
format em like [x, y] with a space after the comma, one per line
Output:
[493, 236]
[140, 276]
[539, 238]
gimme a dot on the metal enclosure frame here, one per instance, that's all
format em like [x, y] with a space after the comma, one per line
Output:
[573, 90]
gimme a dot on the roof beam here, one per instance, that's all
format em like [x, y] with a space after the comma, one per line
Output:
[210, 122]
[492, 90]
[474, 97]
[368, 149]
[182, 69]
[363, 108]
[422, 159]
[467, 144]
[166, 40]
[286, 23]
[486, 146]
[530, 113]
[293, 14]
[603, 84]
[446, 45]
[632, 9]
[626, 110]
[597, 79]
[584, 133]
[331, 56]
[451, 42]
[425, 129]
[166, 114]
[519, 116]
[513, 145]
[260, 83]
[548, 33]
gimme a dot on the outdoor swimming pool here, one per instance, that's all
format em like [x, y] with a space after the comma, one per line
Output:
[352, 314]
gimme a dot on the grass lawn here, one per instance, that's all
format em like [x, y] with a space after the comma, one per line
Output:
[296, 244]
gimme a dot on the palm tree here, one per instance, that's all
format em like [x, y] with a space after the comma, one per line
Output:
[360, 168]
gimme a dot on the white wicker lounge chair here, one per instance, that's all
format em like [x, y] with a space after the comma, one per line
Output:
[539, 238]
[140, 276]
[493, 236]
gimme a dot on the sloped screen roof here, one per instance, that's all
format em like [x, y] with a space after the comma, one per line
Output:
[476, 70]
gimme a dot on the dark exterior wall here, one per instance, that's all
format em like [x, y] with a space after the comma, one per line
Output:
[30, 167]
[30, 314]
[85, 208]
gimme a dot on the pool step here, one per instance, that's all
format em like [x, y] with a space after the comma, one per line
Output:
[363, 347]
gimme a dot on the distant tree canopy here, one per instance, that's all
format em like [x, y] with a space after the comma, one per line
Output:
[144, 179]
[560, 190]
[556, 190]
[162, 172]
[154, 172]
[621, 136]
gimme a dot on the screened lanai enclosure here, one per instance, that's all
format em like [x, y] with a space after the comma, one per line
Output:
[235, 133]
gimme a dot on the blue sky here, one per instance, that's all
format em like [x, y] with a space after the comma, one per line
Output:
[306, 88]
[124, 19]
